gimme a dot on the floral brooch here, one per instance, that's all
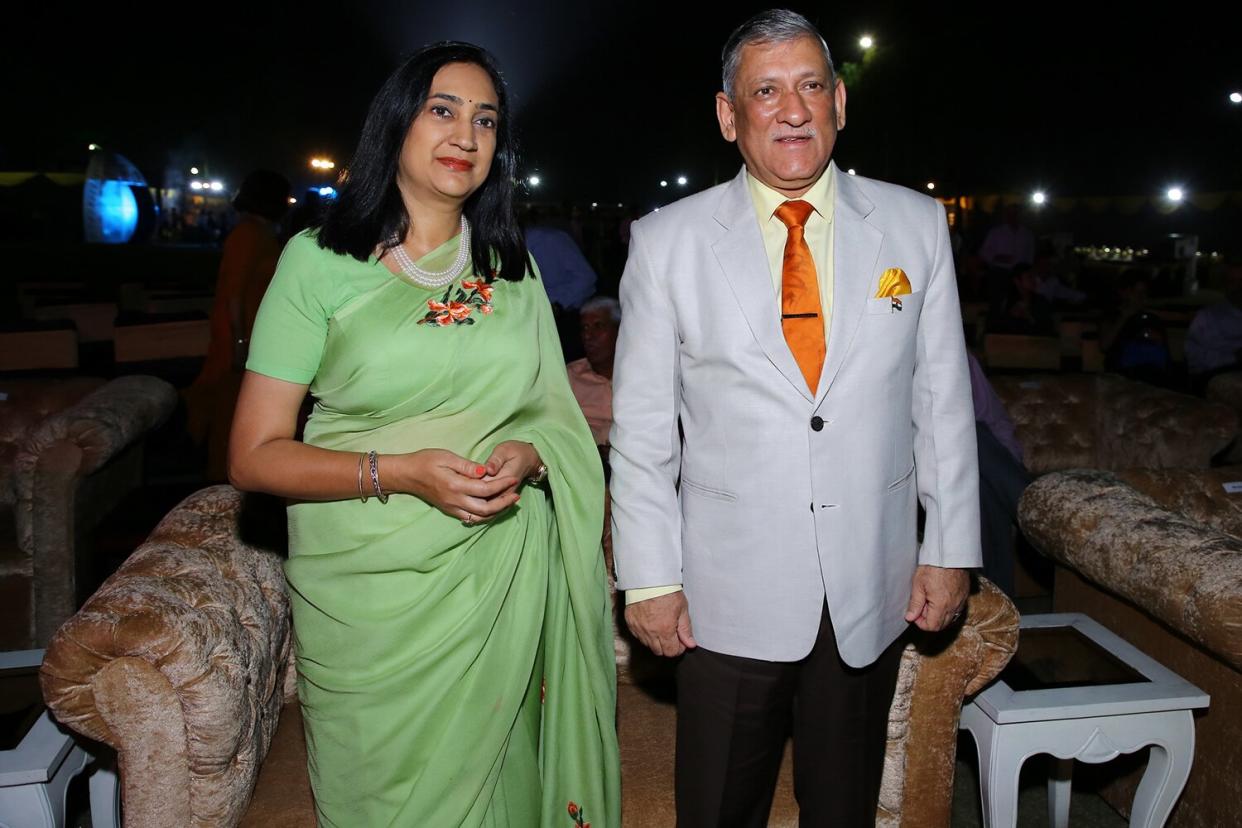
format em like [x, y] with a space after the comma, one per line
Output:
[458, 308]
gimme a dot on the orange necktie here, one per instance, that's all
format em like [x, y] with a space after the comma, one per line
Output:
[800, 310]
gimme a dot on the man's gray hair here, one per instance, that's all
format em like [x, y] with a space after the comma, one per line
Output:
[604, 303]
[771, 26]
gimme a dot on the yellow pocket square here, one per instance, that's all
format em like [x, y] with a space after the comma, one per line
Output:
[894, 282]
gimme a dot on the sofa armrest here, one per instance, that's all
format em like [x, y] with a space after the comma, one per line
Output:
[50, 463]
[937, 672]
[179, 662]
[98, 426]
[1182, 572]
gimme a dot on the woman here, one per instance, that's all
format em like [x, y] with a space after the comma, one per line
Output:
[450, 610]
[246, 267]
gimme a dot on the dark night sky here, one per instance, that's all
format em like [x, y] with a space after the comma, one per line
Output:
[613, 97]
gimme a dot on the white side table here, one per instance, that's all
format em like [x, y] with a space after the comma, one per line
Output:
[1077, 691]
[35, 774]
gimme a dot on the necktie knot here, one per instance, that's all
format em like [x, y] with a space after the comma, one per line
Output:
[794, 213]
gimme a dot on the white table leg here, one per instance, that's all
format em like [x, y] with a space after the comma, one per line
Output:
[1000, 762]
[105, 797]
[30, 805]
[1168, 767]
[1060, 783]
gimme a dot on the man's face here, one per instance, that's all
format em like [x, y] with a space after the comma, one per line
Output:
[785, 113]
[599, 339]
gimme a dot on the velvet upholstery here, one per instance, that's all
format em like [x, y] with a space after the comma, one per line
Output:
[181, 661]
[1103, 421]
[71, 451]
[1156, 556]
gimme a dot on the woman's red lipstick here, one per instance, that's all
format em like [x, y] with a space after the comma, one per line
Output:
[458, 164]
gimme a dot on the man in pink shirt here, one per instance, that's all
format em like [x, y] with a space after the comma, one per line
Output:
[591, 377]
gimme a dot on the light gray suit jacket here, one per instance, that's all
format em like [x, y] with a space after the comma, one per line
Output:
[721, 482]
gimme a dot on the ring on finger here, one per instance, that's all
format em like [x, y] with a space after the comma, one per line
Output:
[468, 520]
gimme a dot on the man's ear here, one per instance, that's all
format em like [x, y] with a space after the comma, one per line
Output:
[838, 96]
[725, 115]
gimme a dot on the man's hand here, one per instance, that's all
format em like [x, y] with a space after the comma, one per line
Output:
[662, 624]
[937, 597]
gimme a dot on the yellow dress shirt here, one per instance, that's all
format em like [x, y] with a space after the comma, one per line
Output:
[818, 235]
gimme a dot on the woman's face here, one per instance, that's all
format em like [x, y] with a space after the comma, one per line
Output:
[449, 148]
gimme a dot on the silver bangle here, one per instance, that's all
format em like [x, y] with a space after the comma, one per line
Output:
[375, 483]
[362, 458]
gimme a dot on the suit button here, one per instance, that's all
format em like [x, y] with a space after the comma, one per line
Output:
[817, 423]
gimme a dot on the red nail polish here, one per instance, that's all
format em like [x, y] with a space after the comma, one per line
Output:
[480, 471]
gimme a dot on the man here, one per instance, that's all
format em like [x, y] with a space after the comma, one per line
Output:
[1009, 243]
[1214, 339]
[787, 376]
[567, 275]
[590, 378]
[1002, 478]
[1007, 246]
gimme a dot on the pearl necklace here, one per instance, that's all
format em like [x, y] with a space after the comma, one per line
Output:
[426, 278]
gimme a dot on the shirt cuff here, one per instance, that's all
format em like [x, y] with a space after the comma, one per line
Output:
[633, 596]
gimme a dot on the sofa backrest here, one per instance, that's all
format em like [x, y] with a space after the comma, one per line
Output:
[1104, 421]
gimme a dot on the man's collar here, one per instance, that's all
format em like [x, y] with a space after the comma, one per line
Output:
[820, 196]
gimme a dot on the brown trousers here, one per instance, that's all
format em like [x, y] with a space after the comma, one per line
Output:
[734, 714]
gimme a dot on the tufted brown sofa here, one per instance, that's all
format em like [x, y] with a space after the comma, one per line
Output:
[181, 662]
[1156, 556]
[1102, 421]
[70, 449]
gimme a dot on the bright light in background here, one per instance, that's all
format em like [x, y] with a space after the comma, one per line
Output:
[1038, 197]
[118, 211]
[1235, 97]
[216, 186]
[92, 147]
[1175, 194]
[322, 164]
[534, 180]
[931, 185]
[663, 183]
[327, 191]
[594, 204]
[196, 185]
[851, 171]
[866, 41]
[292, 200]
[682, 181]
[193, 170]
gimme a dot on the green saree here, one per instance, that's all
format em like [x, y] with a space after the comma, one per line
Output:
[448, 674]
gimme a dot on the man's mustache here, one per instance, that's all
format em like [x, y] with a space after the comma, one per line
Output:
[802, 133]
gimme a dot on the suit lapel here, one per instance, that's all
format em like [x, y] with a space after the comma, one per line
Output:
[855, 249]
[745, 265]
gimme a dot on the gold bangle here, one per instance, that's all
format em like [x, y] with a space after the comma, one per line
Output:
[361, 492]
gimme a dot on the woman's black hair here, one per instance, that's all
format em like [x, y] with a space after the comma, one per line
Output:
[368, 211]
